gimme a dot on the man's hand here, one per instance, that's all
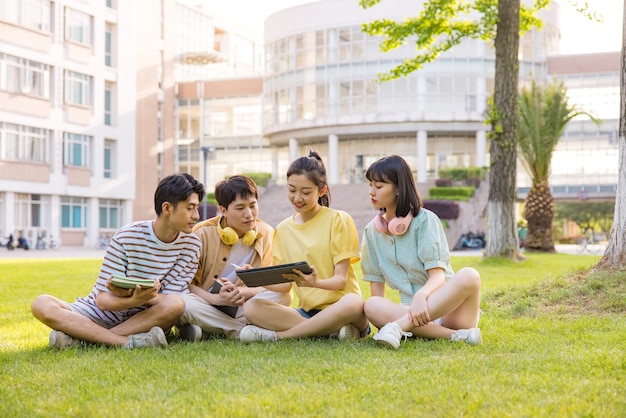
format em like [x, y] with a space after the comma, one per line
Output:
[143, 296]
[119, 291]
[230, 295]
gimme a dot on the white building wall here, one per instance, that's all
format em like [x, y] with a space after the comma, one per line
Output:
[121, 186]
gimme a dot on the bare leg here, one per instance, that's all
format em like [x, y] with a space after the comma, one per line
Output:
[290, 324]
[347, 310]
[457, 302]
[271, 315]
[56, 314]
[164, 312]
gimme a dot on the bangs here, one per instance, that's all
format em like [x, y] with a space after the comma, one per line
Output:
[376, 172]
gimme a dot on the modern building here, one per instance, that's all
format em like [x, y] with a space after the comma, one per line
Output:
[67, 118]
[101, 99]
[88, 109]
[320, 90]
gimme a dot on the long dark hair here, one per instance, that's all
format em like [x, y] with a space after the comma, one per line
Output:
[395, 170]
[313, 168]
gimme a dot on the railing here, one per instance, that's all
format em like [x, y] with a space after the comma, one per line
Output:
[576, 191]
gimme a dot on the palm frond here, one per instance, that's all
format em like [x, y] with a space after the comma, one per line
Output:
[543, 114]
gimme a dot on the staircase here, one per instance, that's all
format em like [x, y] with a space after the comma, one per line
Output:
[351, 198]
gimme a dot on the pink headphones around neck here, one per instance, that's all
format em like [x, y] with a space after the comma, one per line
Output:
[396, 226]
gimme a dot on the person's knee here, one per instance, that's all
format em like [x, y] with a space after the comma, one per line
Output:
[41, 307]
[470, 278]
[174, 305]
[251, 306]
[371, 305]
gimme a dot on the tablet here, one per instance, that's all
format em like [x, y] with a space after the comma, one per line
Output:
[263, 276]
[228, 310]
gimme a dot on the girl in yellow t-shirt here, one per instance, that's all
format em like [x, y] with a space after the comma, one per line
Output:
[330, 299]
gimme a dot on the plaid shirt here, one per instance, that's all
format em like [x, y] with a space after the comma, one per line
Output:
[403, 261]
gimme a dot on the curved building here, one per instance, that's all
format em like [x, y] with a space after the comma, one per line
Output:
[321, 90]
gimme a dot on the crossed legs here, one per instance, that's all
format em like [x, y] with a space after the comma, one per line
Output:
[456, 302]
[56, 314]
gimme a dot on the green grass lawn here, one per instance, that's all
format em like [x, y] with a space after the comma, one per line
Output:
[554, 344]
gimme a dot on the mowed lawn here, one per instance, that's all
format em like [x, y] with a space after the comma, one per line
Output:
[554, 344]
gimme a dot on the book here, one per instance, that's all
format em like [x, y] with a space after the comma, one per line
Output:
[228, 310]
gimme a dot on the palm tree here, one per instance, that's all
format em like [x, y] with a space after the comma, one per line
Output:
[543, 113]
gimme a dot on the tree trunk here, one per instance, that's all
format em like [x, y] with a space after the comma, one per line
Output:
[501, 235]
[615, 255]
[539, 212]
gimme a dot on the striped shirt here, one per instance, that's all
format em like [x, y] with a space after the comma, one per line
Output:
[136, 252]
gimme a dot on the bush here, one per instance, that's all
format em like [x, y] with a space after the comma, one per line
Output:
[210, 198]
[447, 193]
[445, 209]
[458, 174]
[261, 179]
[443, 183]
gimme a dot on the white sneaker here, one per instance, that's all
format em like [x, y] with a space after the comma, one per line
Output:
[153, 338]
[252, 333]
[349, 332]
[190, 332]
[471, 336]
[63, 341]
[390, 335]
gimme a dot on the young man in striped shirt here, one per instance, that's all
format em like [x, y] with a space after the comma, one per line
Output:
[164, 250]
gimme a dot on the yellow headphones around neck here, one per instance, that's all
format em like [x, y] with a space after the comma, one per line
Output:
[230, 237]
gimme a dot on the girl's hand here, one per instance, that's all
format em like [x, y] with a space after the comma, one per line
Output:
[418, 312]
[303, 280]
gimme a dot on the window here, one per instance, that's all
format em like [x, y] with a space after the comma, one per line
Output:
[77, 88]
[76, 150]
[109, 153]
[77, 26]
[24, 76]
[24, 143]
[31, 210]
[108, 103]
[73, 212]
[108, 45]
[111, 211]
[31, 13]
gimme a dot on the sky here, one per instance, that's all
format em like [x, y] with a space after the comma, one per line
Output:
[579, 35]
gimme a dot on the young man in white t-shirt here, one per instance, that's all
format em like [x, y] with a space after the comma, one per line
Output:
[234, 239]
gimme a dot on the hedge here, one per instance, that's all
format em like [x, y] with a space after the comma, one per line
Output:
[448, 192]
[458, 174]
[261, 179]
[444, 209]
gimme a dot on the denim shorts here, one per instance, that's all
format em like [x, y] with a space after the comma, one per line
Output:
[308, 314]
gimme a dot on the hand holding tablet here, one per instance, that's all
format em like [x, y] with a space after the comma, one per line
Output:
[263, 276]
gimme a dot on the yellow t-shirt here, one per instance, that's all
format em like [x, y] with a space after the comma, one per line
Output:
[324, 241]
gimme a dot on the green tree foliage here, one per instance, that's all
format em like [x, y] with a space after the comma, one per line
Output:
[442, 25]
[596, 216]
